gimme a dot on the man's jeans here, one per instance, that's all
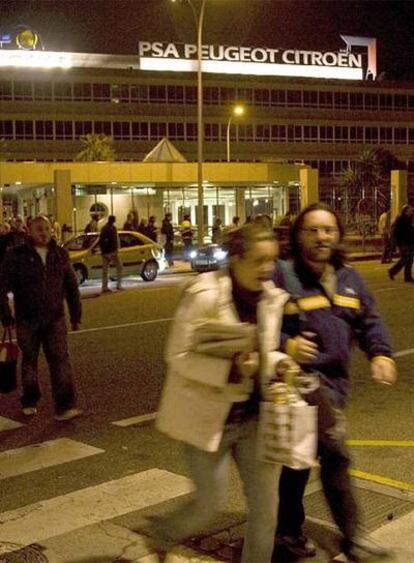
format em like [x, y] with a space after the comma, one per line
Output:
[209, 472]
[53, 337]
[107, 260]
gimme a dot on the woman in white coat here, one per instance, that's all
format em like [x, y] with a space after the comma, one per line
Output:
[211, 397]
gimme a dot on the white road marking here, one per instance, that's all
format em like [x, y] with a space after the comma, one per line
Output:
[135, 419]
[387, 289]
[402, 353]
[125, 325]
[46, 454]
[8, 424]
[46, 519]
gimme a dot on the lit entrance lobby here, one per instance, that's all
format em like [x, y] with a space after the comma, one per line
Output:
[74, 191]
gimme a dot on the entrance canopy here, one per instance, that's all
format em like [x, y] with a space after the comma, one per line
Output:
[164, 151]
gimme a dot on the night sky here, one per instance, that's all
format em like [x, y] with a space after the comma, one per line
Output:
[116, 26]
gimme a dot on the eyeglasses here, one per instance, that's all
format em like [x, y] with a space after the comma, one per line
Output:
[314, 231]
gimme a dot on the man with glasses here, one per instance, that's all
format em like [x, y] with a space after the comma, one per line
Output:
[330, 307]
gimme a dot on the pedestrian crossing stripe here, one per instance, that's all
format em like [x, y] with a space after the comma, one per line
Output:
[382, 443]
[46, 454]
[8, 424]
[37, 522]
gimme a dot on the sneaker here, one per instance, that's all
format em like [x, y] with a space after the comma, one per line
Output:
[365, 545]
[69, 414]
[29, 411]
[297, 546]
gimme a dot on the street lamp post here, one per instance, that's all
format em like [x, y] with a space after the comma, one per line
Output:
[237, 112]
[199, 19]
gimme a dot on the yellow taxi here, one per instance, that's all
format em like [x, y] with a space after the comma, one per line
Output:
[139, 255]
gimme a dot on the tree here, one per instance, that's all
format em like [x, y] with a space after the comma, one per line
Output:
[368, 177]
[96, 147]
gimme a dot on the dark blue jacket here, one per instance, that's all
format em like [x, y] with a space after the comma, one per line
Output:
[337, 321]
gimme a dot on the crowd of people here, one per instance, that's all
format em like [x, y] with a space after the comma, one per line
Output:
[301, 314]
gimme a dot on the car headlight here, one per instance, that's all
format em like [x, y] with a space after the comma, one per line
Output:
[220, 254]
[193, 254]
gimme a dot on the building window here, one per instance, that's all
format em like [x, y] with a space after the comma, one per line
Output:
[190, 95]
[64, 130]
[176, 131]
[158, 130]
[82, 128]
[42, 91]
[228, 95]
[5, 90]
[385, 101]
[310, 99]
[400, 135]
[261, 97]
[139, 130]
[371, 101]
[6, 129]
[23, 90]
[356, 134]
[263, 133]
[44, 130]
[341, 134]
[211, 132]
[371, 134]
[211, 95]
[400, 102]
[121, 130]
[356, 101]
[326, 134]
[325, 99]
[410, 135]
[385, 135]
[310, 133]
[175, 94]
[24, 129]
[103, 128]
[191, 131]
[120, 93]
[139, 93]
[63, 91]
[82, 92]
[279, 133]
[341, 99]
[294, 98]
[157, 95]
[245, 95]
[245, 132]
[101, 92]
[278, 97]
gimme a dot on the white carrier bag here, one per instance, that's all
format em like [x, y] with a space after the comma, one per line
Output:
[288, 429]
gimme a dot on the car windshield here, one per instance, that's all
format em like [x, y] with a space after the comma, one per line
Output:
[82, 242]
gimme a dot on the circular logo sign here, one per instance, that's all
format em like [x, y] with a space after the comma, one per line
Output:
[27, 39]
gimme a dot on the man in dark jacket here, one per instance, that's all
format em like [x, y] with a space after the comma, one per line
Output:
[403, 235]
[330, 307]
[168, 231]
[40, 276]
[109, 244]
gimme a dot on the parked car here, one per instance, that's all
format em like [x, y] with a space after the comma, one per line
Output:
[139, 255]
[208, 257]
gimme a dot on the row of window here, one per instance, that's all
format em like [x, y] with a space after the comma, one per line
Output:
[127, 130]
[172, 94]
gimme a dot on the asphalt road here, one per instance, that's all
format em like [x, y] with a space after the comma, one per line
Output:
[117, 359]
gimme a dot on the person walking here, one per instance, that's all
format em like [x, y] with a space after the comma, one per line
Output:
[330, 308]
[211, 402]
[56, 228]
[92, 226]
[187, 234]
[129, 223]
[217, 231]
[40, 277]
[152, 228]
[403, 235]
[167, 230]
[143, 227]
[384, 229]
[109, 245]
[18, 232]
[4, 240]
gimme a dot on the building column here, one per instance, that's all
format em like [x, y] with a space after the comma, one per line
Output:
[63, 197]
[398, 191]
[240, 204]
[309, 186]
[1, 204]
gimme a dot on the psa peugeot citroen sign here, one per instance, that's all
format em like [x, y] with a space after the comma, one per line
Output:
[263, 61]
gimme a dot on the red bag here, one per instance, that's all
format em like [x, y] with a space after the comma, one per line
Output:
[9, 352]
